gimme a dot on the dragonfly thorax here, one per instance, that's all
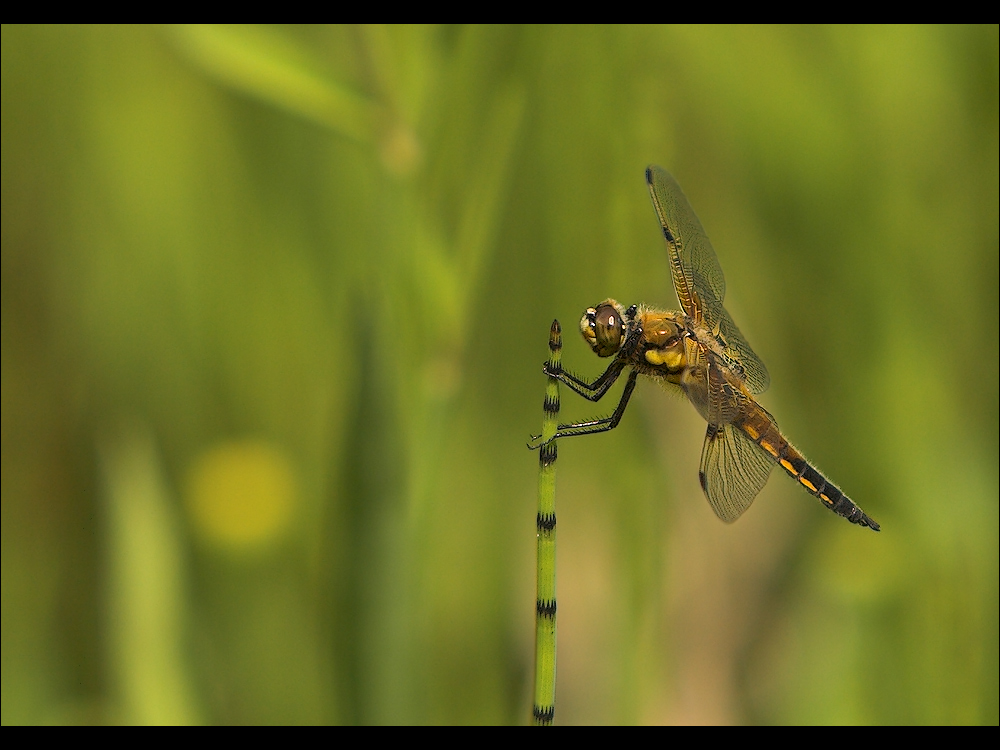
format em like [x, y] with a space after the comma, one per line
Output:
[663, 344]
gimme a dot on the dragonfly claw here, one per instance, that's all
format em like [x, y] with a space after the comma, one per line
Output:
[536, 442]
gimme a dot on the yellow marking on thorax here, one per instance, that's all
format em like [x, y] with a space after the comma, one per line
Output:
[654, 357]
[671, 358]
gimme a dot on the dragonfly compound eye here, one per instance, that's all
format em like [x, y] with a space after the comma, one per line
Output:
[606, 329]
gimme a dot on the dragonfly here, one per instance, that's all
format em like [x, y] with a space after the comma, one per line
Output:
[699, 350]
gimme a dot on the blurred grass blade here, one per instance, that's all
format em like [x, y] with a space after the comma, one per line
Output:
[261, 63]
[146, 592]
[485, 197]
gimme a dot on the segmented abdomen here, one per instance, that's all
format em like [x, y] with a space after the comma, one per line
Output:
[763, 430]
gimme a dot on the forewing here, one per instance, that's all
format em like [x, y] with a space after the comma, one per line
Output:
[734, 469]
[694, 267]
[697, 275]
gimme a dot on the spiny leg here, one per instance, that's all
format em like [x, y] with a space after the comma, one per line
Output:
[594, 392]
[592, 426]
[591, 391]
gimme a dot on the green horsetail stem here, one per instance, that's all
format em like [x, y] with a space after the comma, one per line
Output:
[544, 707]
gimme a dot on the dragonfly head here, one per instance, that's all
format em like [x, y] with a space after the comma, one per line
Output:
[603, 327]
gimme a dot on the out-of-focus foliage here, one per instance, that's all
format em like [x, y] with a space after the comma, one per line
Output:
[274, 307]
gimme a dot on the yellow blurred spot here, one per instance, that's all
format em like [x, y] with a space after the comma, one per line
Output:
[400, 151]
[242, 494]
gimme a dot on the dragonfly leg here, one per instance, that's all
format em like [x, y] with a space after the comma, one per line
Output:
[591, 391]
[591, 426]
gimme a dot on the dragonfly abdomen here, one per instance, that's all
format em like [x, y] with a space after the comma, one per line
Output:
[761, 428]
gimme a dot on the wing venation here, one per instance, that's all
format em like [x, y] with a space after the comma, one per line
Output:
[698, 278]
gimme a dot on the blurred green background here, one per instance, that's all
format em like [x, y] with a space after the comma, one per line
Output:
[274, 307]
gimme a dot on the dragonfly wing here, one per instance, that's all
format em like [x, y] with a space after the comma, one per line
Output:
[742, 359]
[734, 469]
[694, 267]
[725, 402]
[697, 275]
